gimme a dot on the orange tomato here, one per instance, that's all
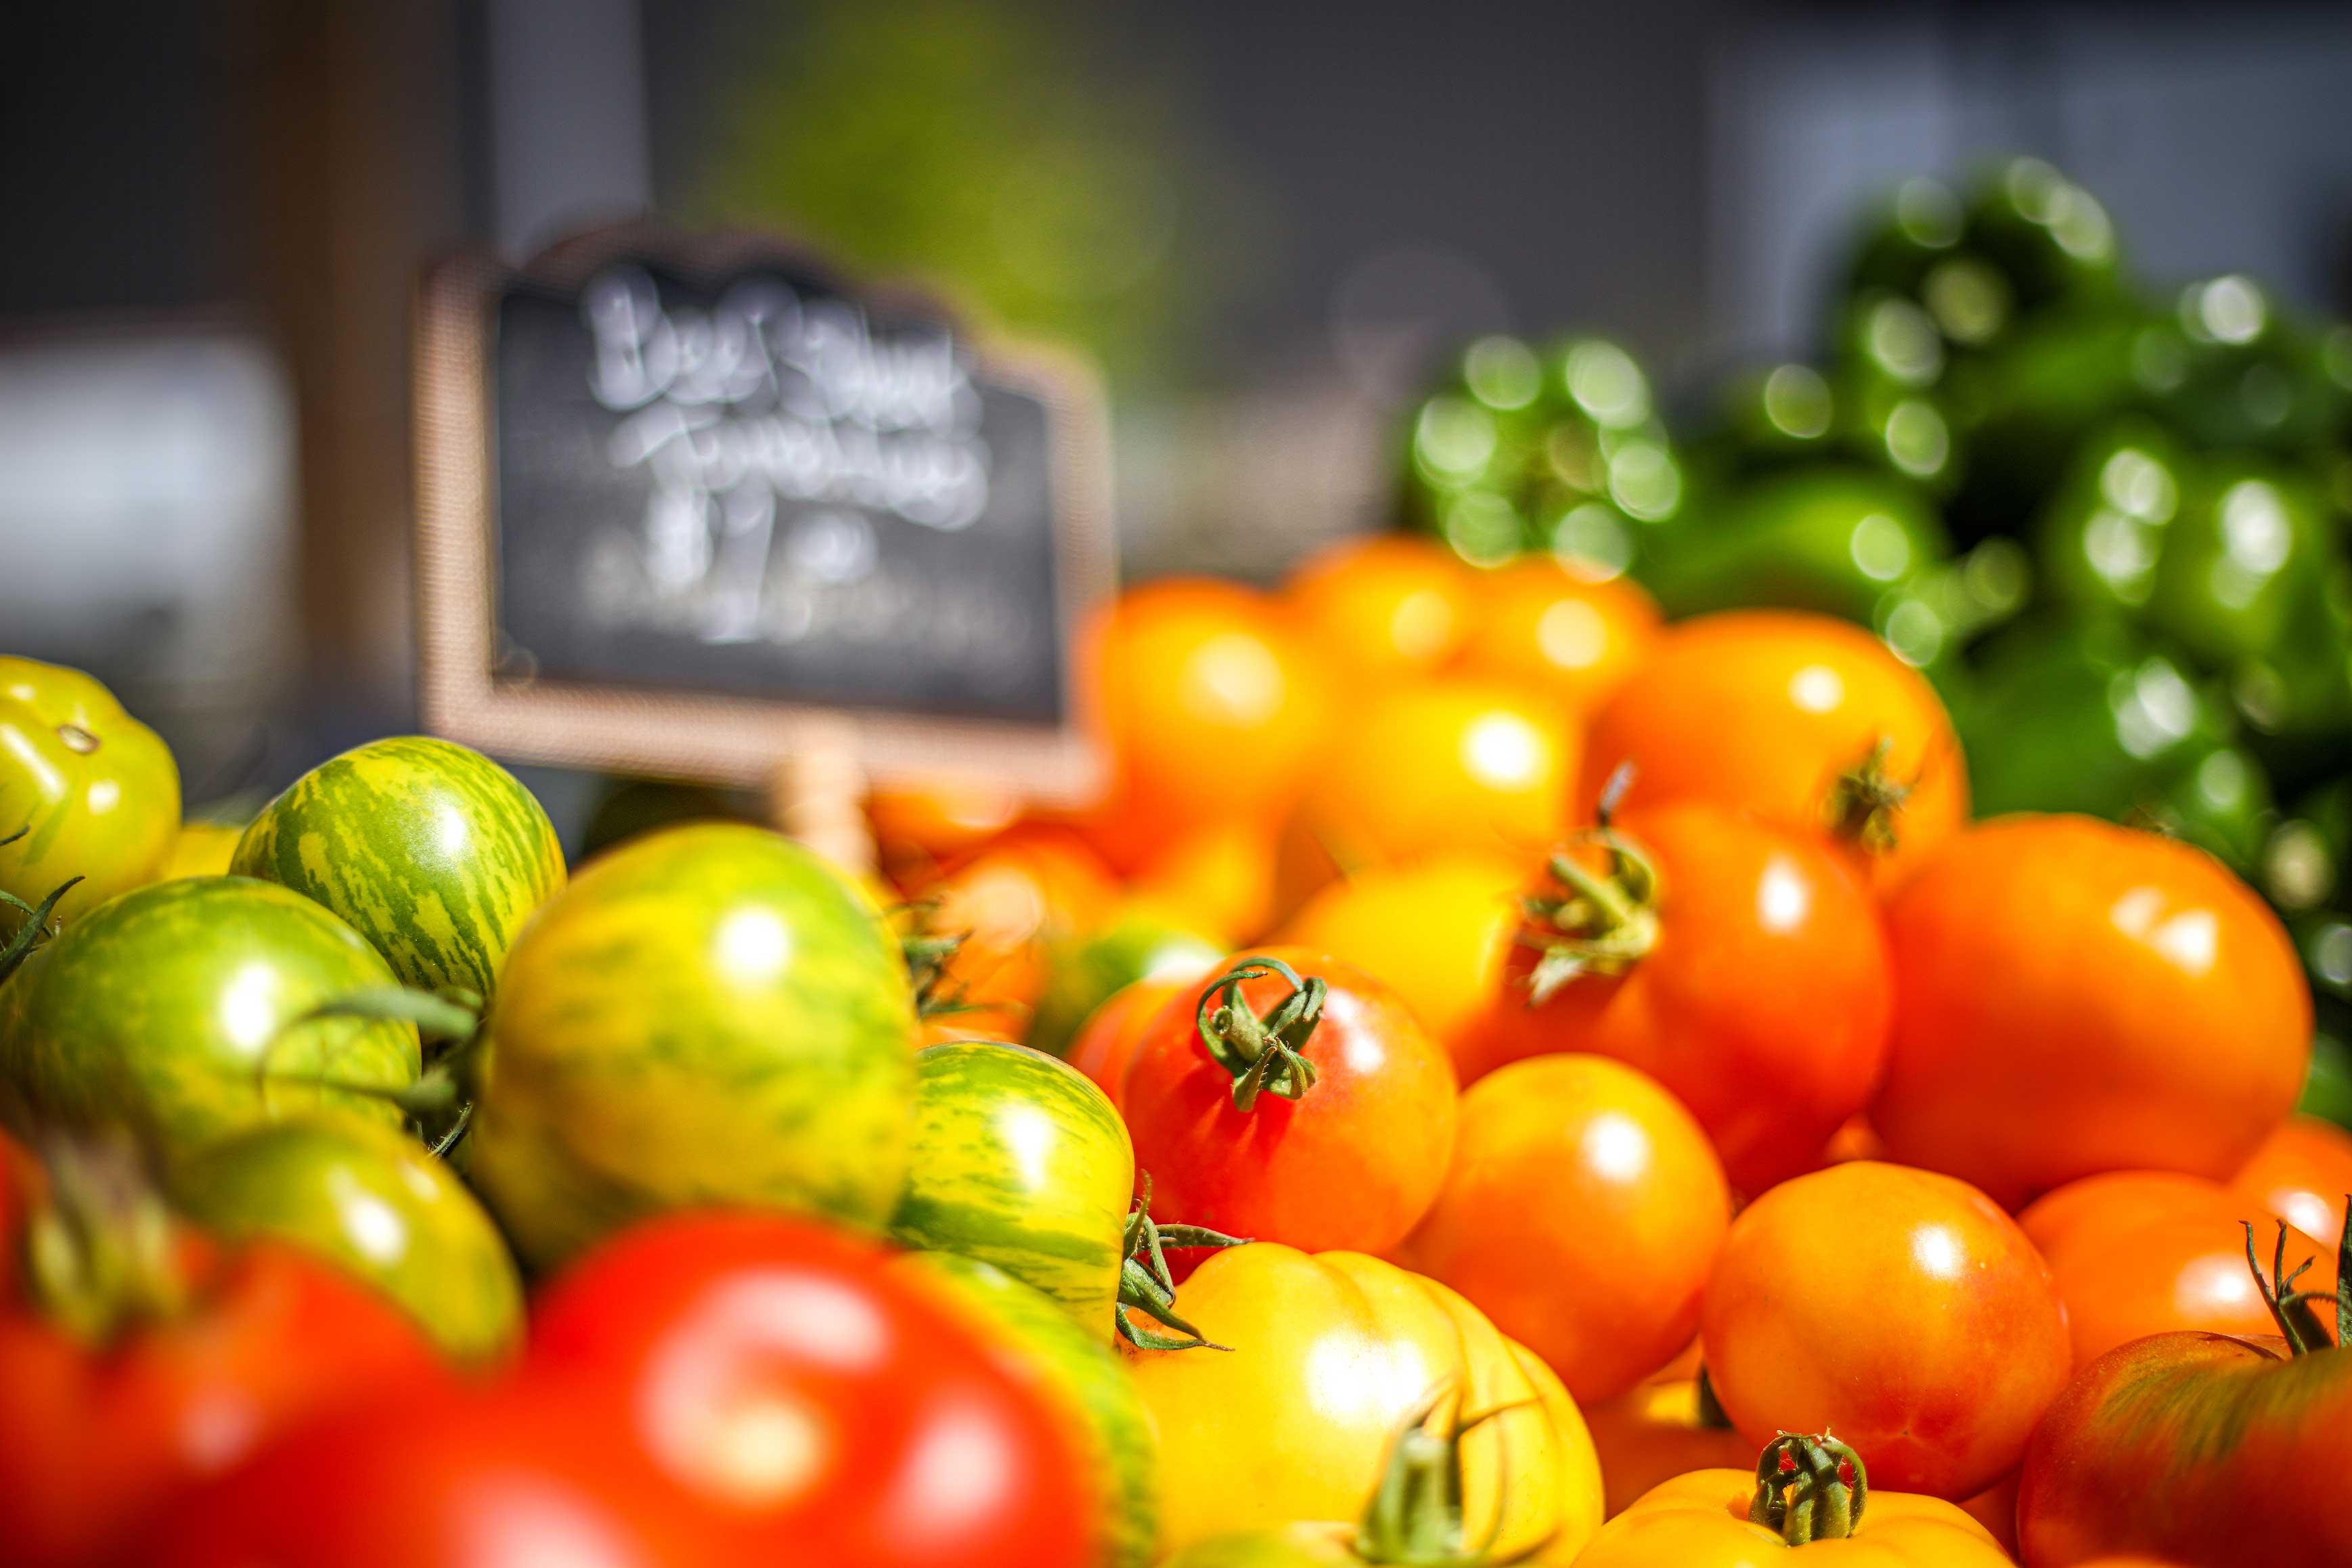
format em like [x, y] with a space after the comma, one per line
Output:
[1995, 1507]
[2142, 1253]
[1700, 1520]
[1382, 606]
[1215, 877]
[1896, 1308]
[1542, 622]
[1758, 993]
[2074, 997]
[1437, 766]
[1767, 711]
[2301, 1175]
[1106, 1043]
[916, 826]
[1437, 931]
[1581, 1212]
[1010, 901]
[1654, 1433]
[1213, 710]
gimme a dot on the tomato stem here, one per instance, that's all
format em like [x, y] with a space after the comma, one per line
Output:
[1261, 1051]
[1415, 1517]
[1802, 1489]
[1600, 922]
[1146, 1285]
[35, 928]
[2293, 1310]
[1866, 802]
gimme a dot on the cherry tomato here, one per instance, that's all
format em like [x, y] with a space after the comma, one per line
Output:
[1738, 963]
[780, 1373]
[1544, 622]
[1008, 904]
[1582, 1213]
[1216, 877]
[2074, 997]
[2142, 1253]
[1213, 711]
[1106, 1043]
[1898, 1307]
[1436, 766]
[1330, 1129]
[1808, 722]
[2301, 1174]
[1383, 607]
[506, 1477]
[1436, 932]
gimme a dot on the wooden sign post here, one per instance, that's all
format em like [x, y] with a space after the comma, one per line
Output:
[700, 508]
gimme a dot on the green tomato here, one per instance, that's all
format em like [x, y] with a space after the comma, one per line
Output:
[1134, 945]
[375, 1203]
[173, 1009]
[1078, 1371]
[431, 852]
[708, 1015]
[1020, 1161]
[94, 792]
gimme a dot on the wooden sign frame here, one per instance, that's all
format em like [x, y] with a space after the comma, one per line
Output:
[709, 736]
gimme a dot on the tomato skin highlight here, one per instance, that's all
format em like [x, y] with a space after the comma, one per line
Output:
[97, 790]
[1353, 1163]
[1763, 1006]
[2301, 1174]
[2152, 1003]
[2203, 1448]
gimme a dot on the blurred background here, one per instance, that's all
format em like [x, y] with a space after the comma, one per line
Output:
[1273, 227]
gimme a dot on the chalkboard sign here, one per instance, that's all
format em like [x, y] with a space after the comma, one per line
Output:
[681, 501]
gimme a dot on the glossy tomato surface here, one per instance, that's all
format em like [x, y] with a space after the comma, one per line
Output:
[1762, 1000]
[1353, 1162]
[1382, 608]
[2301, 1174]
[1546, 623]
[1106, 1043]
[783, 1376]
[2074, 997]
[95, 791]
[1700, 1520]
[1900, 1310]
[1582, 1213]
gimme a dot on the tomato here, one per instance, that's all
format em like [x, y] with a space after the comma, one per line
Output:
[1808, 722]
[494, 1479]
[1898, 1308]
[375, 1204]
[1138, 939]
[1436, 766]
[1217, 877]
[202, 849]
[95, 790]
[1655, 1432]
[707, 1014]
[1007, 906]
[788, 1378]
[1740, 965]
[918, 826]
[2074, 997]
[172, 1007]
[147, 1361]
[1581, 1214]
[1019, 1161]
[1106, 1043]
[2301, 1174]
[1703, 1519]
[1435, 932]
[1213, 710]
[1036, 1340]
[1548, 623]
[2141, 1252]
[1330, 1354]
[431, 852]
[1384, 607]
[1322, 1116]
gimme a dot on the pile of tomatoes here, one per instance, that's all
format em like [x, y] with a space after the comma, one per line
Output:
[1496, 1078]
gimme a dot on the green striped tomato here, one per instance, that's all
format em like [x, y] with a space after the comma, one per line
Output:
[378, 1205]
[434, 852]
[708, 1015]
[156, 1009]
[1080, 1373]
[1021, 1162]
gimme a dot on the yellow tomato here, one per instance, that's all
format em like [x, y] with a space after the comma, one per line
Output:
[1540, 622]
[1218, 877]
[1700, 1520]
[1383, 607]
[1330, 1353]
[1437, 931]
[95, 791]
[1655, 1433]
[202, 849]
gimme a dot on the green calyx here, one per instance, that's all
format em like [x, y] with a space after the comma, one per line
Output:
[929, 953]
[1415, 1517]
[36, 916]
[2296, 1311]
[440, 1104]
[1809, 1488]
[1597, 922]
[1865, 801]
[100, 1257]
[1146, 1286]
[1261, 1051]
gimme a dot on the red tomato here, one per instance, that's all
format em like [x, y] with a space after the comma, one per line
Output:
[1806, 721]
[1106, 1043]
[509, 1478]
[2074, 997]
[826, 1408]
[1751, 980]
[2141, 1252]
[2302, 1174]
[94, 1437]
[1898, 1308]
[1581, 1214]
[1350, 1163]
